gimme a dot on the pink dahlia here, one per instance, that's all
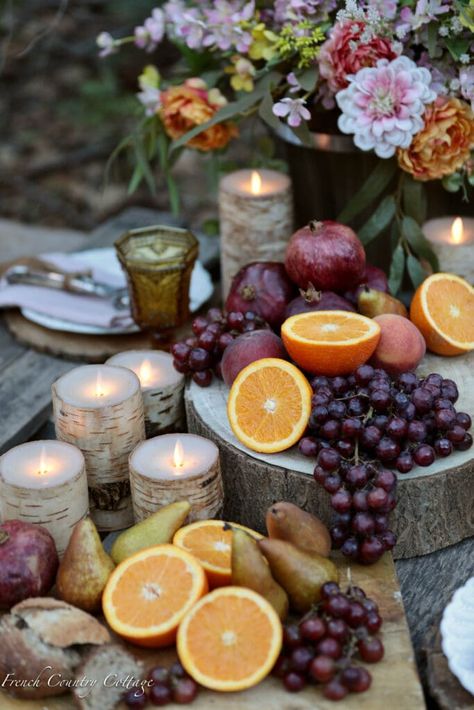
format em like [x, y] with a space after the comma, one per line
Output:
[350, 47]
[383, 106]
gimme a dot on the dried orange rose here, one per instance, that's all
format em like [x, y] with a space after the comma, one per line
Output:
[190, 105]
[444, 144]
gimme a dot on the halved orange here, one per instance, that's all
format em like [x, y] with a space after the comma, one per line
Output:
[443, 310]
[210, 541]
[269, 405]
[148, 594]
[230, 639]
[330, 342]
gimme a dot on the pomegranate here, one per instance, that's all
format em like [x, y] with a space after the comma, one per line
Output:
[246, 349]
[313, 300]
[28, 562]
[373, 278]
[326, 254]
[262, 287]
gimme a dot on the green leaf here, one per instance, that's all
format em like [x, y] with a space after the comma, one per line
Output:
[308, 79]
[432, 38]
[173, 193]
[453, 182]
[379, 220]
[397, 267]
[142, 162]
[414, 199]
[375, 184]
[135, 180]
[415, 270]
[418, 242]
[265, 112]
[303, 134]
[457, 46]
[231, 110]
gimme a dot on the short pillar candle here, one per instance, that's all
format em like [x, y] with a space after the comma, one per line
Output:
[100, 409]
[176, 467]
[162, 388]
[45, 483]
[256, 219]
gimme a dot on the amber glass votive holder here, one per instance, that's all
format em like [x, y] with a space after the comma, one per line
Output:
[158, 262]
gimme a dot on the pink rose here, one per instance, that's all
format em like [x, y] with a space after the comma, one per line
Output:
[346, 51]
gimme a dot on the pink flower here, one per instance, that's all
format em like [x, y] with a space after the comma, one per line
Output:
[350, 47]
[149, 35]
[293, 109]
[383, 106]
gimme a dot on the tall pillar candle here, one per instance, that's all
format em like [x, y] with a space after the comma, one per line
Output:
[452, 240]
[256, 219]
[162, 388]
[100, 409]
[45, 483]
[176, 467]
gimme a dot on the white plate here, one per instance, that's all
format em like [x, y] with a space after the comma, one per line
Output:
[457, 634]
[200, 291]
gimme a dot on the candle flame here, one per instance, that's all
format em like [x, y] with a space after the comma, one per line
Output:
[43, 466]
[144, 373]
[99, 388]
[457, 231]
[178, 455]
[255, 183]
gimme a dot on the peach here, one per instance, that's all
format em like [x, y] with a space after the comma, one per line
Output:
[246, 349]
[401, 346]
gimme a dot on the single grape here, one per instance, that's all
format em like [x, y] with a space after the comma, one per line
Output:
[300, 658]
[404, 462]
[371, 650]
[345, 448]
[357, 476]
[319, 415]
[381, 522]
[158, 674]
[199, 359]
[424, 455]
[463, 420]
[214, 315]
[337, 410]
[181, 367]
[329, 647]
[236, 320]
[180, 352]
[373, 622]
[281, 667]
[443, 403]
[294, 682]
[362, 682]
[356, 615]
[417, 431]
[380, 400]
[322, 669]
[292, 636]
[401, 401]
[199, 325]
[207, 340]
[445, 418]
[371, 550]
[308, 446]
[377, 498]
[410, 412]
[370, 437]
[160, 695]
[397, 427]
[320, 399]
[350, 677]
[407, 381]
[465, 444]
[342, 519]
[388, 540]
[422, 399]
[433, 379]
[337, 605]
[335, 690]
[135, 698]
[341, 501]
[364, 374]
[329, 459]
[387, 449]
[331, 429]
[339, 385]
[449, 389]
[351, 427]
[332, 483]
[385, 479]
[337, 629]
[320, 475]
[203, 378]
[443, 447]
[351, 548]
[356, 407]
[319, 381]
[328, 589]
[359, 501]
[313, 628]
[225, 339]
[191, 342]
[363, 524]
[456, 434]
[214, 328]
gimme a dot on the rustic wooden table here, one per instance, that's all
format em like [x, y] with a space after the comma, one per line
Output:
[26, 376]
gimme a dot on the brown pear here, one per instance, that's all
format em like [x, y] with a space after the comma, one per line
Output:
[300, 574]
[84, 569]
[371, 303]
[250, 569]
[285, 521]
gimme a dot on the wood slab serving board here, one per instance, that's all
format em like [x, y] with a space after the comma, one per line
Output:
[395, 683]
[435, 504]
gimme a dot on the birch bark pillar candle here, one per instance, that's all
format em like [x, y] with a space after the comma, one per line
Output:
[100, 409]
[256, 219]
[176, 467]
[162, 388]
[45, 483]
[452, 239]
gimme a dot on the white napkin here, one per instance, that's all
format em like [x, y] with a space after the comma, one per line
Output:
[75, 308]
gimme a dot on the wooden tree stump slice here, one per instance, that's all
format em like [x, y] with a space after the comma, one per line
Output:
[435, 504]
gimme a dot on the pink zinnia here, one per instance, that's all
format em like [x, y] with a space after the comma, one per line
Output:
[346, 51]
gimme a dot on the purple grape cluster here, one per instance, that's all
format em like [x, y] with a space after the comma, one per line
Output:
[200, 355]
[164, 686]
[322, 646]
[366, 424]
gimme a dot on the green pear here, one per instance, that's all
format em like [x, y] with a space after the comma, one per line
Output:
[285, 521]
[250, 569]
[372, 303]
[158, 529]
[300, 574]
[84, 568]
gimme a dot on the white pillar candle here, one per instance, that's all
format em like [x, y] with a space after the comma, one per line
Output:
[176, 467]
[45, 483]
[162, 388]
[452, 239]
[256, 219]
[100, 409]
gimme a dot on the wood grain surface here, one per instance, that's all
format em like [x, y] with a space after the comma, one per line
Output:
[435, 505]
[395, 681]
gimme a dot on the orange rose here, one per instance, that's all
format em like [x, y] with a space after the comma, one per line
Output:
[190, 105]
[444, 144]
